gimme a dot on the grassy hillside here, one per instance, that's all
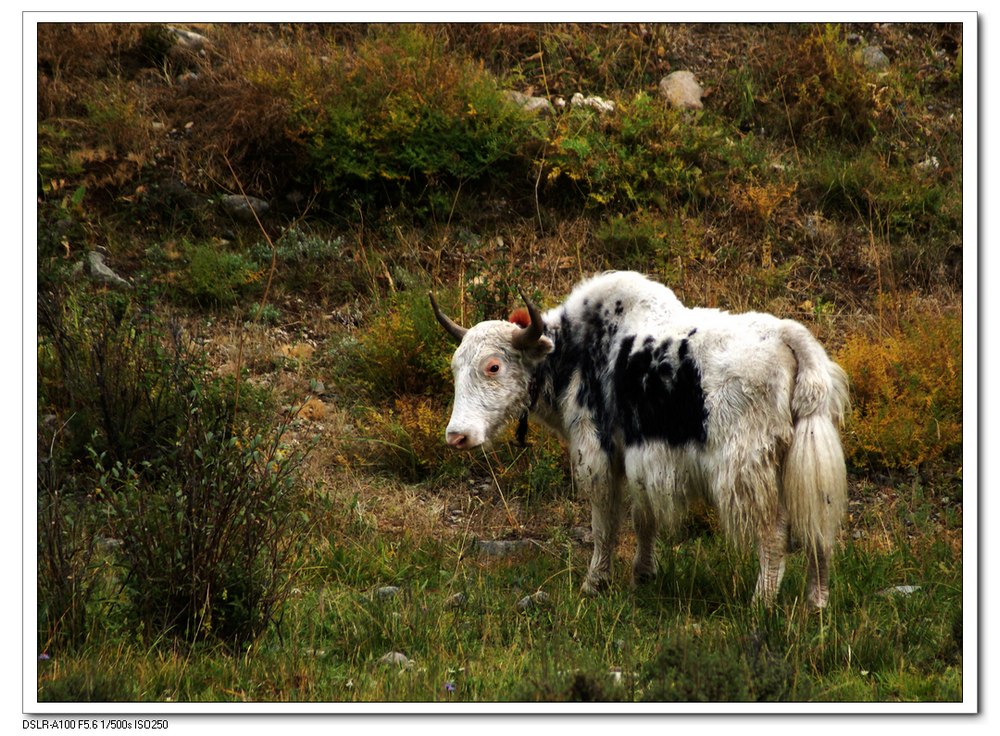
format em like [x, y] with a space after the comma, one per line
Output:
[243, 489]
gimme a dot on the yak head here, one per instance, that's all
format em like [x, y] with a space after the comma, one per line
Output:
[493, 368]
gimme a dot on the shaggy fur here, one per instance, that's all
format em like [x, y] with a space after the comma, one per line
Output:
[660, 404]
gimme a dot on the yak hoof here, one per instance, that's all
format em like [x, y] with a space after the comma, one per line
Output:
[593, 586]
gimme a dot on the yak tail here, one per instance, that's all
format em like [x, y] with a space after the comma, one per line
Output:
[815, 475]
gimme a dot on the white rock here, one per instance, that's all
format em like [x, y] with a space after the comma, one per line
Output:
[930, 163]
[596, 103]
[682, 90]
[396, 658]
[188, 39]
[537, 105]
[900, 590]
[98, 270]
[243, 208]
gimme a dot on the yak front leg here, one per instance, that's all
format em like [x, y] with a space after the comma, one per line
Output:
[604, 520]
[644, 521]
[595, 475]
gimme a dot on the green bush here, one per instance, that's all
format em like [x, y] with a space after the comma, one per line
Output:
[690, 670]
[642, 155]
[217, 277]
[309, 263]
[403, 351]
[202, 497]
[396, 117]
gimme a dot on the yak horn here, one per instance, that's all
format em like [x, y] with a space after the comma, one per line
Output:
[455, 330]
[526, 337]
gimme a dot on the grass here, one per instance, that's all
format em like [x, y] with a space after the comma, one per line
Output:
[689, 634]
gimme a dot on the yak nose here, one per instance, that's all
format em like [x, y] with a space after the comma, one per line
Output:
[458, 440]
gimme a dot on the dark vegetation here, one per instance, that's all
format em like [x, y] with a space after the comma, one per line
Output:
[235, 451]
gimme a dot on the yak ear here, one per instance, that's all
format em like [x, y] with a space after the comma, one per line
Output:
[542, 347]
[520, 317]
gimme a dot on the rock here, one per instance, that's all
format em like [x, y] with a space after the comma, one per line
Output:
[682, 90]
[243, 208]
[536, 600]
[501, 547]
[455, 601]
[386, 592]
[597, 103]
[900, 590]
[95, 267]
[929, 164]
[188, 39]
[529, 103]
[874, 58]
[396, 658]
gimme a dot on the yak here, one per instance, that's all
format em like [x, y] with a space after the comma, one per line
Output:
[660, 404]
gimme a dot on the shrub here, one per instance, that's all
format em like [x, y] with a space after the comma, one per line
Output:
[642, 155]
[690, 670]
[215, 276]
[67, 553]
[809, 88]
[205, 508]
[906, 393]
[396, 116]
[405, 439]
[311, 264]
[403, 351]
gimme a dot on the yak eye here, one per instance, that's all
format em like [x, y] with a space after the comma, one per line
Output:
[492, 367]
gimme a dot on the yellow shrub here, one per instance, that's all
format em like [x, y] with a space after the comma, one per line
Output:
[906, 393]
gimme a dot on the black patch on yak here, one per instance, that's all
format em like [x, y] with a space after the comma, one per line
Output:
[659, 395]
[654, 393]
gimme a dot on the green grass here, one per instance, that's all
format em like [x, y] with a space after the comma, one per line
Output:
[690, 634]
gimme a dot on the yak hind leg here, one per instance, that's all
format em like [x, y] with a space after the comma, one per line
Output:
[771, 551]
[818, 577]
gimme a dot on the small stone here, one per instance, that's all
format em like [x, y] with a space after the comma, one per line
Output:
[536, 600]
[593, 102]
[455, 601]
[501, 547]
[529, 103]
[244, 208]
[900, 590]
[396, 658]
[386, 592]
[98, 270]
[874, 58]
[682, 90]
[931, 163]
